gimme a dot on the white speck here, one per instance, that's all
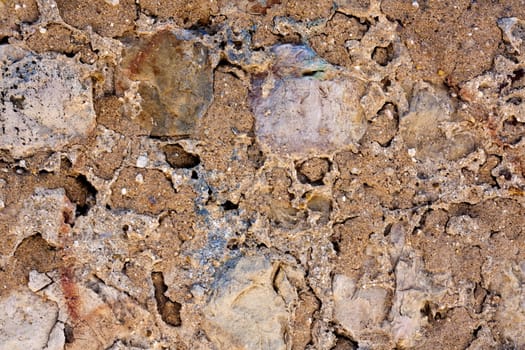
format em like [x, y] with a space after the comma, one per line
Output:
[17, 7]
[139, 178]
[142, 161]
[124, 191]
[2, 204]
[355, 171]
[415, 4]
[42, 30]
[412, 152]
[343, 198]
[112, 2]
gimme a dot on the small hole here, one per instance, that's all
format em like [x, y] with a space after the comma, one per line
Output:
[233, 244]
[383, 55]
[388, 228]
[311, 73]
[228, 205]
[506, 174]
[337, 247]
[177, 157]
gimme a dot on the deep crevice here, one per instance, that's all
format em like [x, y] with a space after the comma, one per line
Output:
[169, 310]
[311, 73]
[387, 230]
[517, 75]
[476, 332]
[91, 196]
[69, 333]
[274, 280]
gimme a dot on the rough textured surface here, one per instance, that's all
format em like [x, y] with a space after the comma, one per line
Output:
[46, 102]
[26, 321]
[267, 174]
[108, 18]
[245, 311]
[171, 102]
[14, 13]
[299, 111]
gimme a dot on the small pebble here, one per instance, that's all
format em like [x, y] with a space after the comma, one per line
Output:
[142, 161]
[38, 281]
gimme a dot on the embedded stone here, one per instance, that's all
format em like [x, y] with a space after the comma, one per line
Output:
[358, 309]
[46, 102]
[175, 79]
[306, 105]
[26, 320]
[245, 312]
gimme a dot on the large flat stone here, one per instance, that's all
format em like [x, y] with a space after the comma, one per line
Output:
[45, 102]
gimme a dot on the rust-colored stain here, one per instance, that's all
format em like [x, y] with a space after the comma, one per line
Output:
[70, 290]
[67, 272]
[148, 49]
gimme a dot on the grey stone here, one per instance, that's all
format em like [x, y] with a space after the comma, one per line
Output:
[26, 321]
[46, 104]
[305, 106]
[245, 312]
